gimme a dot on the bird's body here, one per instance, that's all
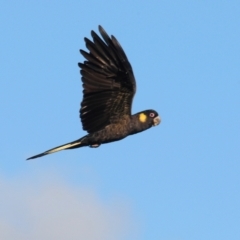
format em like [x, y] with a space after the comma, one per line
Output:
[108, 90]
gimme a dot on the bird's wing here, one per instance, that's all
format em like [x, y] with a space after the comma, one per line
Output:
[108, 82]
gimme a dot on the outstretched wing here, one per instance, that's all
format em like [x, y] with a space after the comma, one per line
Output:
[108, 82]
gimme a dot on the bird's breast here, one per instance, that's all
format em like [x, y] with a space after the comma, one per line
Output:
[111, 133]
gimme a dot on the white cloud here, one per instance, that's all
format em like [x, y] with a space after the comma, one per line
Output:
[54, 210]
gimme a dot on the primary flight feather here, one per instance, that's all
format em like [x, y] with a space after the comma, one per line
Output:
[108, 90]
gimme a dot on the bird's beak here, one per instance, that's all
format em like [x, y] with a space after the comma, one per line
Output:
[156, 121]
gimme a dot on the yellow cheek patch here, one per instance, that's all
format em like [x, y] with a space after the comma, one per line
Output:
[142, 117]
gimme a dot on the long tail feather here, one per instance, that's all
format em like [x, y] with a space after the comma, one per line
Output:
[74, 144]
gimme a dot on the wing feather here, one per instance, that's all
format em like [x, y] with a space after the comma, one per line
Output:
[108, 82]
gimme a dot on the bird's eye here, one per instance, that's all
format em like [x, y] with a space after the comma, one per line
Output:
[151, 114]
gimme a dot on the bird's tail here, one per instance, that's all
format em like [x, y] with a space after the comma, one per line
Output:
[75, 144]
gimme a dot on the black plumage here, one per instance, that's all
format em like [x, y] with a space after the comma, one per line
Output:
[108, 90]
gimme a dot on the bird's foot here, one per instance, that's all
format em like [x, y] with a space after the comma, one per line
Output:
[94, 145]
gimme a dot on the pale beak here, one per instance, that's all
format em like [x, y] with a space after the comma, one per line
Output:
[156, 121]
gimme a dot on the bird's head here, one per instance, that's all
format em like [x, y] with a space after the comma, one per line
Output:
[144, 120]
[149, 118]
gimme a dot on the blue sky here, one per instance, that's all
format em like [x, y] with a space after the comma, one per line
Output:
[177, 181]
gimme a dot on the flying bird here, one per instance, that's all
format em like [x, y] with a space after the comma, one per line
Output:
[108, 90]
